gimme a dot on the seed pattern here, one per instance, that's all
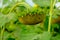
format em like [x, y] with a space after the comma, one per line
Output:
[32, 19]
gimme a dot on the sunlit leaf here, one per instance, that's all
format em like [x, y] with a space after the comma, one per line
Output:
[42, 2]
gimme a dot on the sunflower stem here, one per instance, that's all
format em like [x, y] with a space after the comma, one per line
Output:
[50, 13]
[20, 3]
[2, 33]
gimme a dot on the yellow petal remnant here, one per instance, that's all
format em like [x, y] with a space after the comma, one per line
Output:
[35, 5]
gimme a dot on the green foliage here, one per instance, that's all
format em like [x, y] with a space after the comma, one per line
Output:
[56, 37]
[42, 2]
[15, 30]
[7, 18]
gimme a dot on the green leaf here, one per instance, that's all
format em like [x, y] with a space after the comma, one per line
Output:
[3, 19]
[5, 35]
[7, 18]
[32, 36]
[5, 1]
[56, 37]
[44, 36]
[43, 3]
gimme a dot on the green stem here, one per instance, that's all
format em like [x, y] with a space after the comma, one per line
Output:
[2, 33]
[27, 6]
[50, 13]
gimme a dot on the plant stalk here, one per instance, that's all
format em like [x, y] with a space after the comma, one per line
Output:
[51, 13]
[26, 5]
[2, 33]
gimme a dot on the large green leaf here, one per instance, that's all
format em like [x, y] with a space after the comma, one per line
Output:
[33, 36]
[7, 18]
[26, 32]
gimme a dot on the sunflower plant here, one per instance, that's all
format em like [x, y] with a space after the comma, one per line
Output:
[20, 21]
